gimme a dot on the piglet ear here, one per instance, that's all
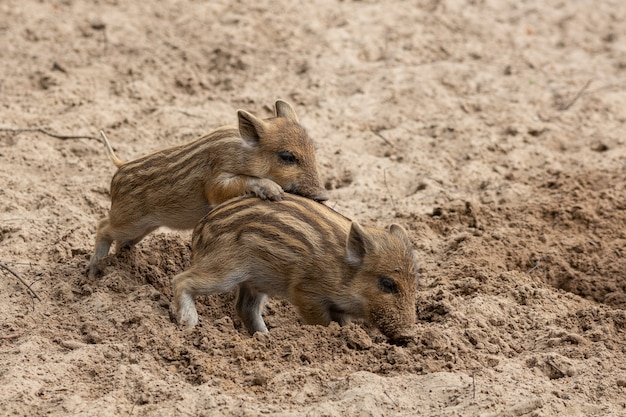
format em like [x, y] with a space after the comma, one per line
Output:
[357, 245]
[251, 128]
[284, 109]
[399, 232]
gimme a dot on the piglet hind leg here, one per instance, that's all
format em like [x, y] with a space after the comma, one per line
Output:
[125, 237]
[128, 242]
[249, 308]
[104, 238]
[193, 282]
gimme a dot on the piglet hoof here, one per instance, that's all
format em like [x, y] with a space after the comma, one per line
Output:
[92, 270]
[188, 317]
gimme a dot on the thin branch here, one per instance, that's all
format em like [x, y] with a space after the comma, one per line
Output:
[473, 385]
[10, 336]
[17, 219]
[16, 275]
[22, 263]
[617, 86]
[536, 265]
[46, 132]
[570, 103]
[387, 187]
[377, 133]
[554, 366]
[392, 400]
[186, 113]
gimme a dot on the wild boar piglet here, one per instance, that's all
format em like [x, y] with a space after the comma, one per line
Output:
[175, 187]
[329, 267]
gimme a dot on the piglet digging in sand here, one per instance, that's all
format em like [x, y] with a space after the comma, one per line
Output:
[329, 267]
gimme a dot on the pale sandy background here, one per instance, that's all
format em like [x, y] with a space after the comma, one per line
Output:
[492, 130]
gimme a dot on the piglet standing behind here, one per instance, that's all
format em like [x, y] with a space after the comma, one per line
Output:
[175, 187]
[329, 267]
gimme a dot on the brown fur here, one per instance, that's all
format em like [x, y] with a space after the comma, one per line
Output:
[175, 187]
[329, 267]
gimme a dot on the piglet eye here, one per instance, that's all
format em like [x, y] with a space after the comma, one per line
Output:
[287, 157]
[387, 285]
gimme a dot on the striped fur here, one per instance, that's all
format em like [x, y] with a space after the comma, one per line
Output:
[175, 187]
[328, 266]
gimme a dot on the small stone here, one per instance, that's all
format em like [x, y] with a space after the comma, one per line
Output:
[355, 337]
[72, 344]
[260, 378]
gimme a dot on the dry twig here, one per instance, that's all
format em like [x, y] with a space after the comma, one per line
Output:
[555, 367]
[473, 385]
[387, 187]
[16, 275]
[46, 132]
[377, 133]
[392, 400]
[536, 265]
[570, 103]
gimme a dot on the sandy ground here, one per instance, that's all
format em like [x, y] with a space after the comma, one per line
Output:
[492, 131]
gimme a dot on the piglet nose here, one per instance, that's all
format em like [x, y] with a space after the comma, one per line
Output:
[320, 197]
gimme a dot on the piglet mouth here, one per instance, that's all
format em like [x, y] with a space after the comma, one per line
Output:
[400, 336]
[320, 197]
